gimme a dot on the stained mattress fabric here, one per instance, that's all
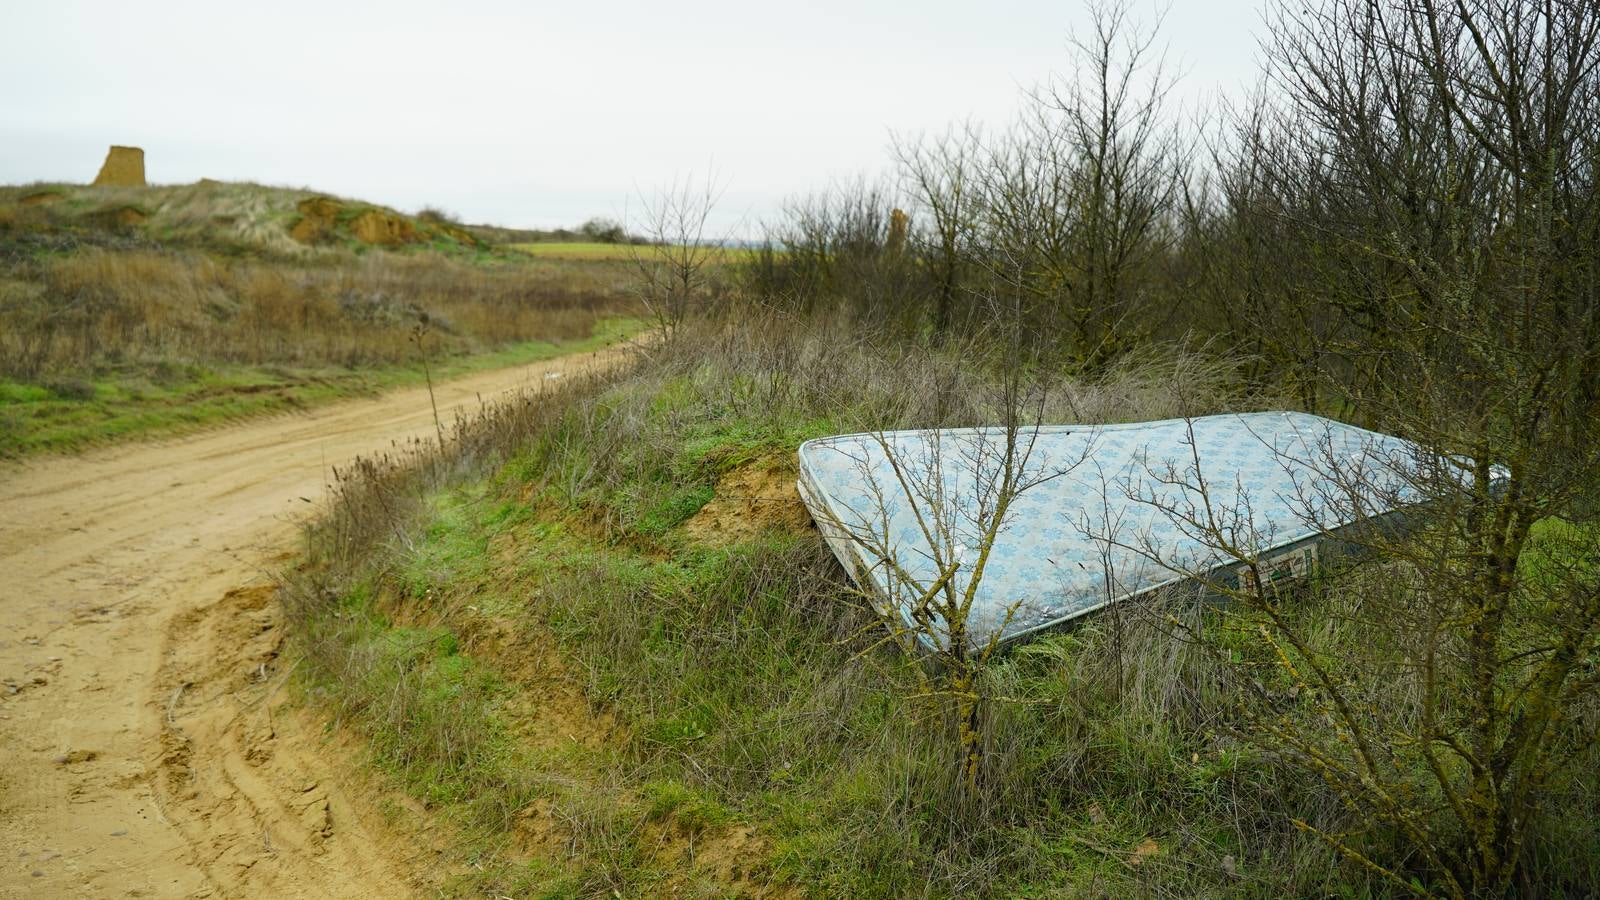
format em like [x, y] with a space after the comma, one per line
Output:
[1126, 512]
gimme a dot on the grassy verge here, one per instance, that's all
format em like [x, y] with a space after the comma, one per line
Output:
[547, 643]
[727, 728]
[72, 413]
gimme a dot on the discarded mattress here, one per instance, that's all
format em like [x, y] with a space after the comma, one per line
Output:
[1121, 511]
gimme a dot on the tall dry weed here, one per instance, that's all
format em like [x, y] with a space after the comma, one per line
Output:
[76, 312]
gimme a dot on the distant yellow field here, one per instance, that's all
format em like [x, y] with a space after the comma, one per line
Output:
[576, 250]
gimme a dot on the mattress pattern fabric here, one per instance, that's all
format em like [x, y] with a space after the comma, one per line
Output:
[1119, 510]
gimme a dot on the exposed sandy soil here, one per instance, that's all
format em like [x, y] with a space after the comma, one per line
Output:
[147, 749]
[756, 497]
[378, 227]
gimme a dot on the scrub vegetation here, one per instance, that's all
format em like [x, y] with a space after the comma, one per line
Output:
[208, 307]
[584, 631]
[600, 696]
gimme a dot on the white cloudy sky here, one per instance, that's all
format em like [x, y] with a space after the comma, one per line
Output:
[536, 113]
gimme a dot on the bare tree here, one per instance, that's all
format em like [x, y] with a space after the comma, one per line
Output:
[1111, 112]
[1076, 204]
[839, 248]
[1435, 165]
[677, 265]
[1253, 276]
[941, 174]
[938, 502]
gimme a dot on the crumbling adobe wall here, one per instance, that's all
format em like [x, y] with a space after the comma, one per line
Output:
[124, 167]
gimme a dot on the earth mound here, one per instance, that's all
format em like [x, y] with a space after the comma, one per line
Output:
[321, 218]
[235, 216]
[318, 218]
[375, 226]
[117, 218]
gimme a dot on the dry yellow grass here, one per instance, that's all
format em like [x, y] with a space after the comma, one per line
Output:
[70, 313]
[129, 310]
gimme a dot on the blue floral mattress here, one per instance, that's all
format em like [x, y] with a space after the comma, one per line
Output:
[1117, 510]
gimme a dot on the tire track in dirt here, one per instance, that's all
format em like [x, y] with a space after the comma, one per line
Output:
[147, 749]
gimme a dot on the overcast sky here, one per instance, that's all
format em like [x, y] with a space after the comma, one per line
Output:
[538, 114]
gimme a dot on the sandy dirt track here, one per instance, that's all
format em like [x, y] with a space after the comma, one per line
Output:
[145, 748]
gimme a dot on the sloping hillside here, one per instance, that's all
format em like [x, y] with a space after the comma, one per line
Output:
[221, 215]
[137, 310]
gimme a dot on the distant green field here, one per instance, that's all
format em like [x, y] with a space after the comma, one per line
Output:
[596, 251]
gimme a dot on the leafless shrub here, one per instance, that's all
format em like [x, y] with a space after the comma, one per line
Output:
[678, 265]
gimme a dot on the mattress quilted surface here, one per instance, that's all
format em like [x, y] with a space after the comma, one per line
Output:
[1118, 510]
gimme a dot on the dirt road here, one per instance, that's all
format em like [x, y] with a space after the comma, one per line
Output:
[145, 748]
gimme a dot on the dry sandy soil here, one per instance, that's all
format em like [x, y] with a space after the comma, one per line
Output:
[146, 748]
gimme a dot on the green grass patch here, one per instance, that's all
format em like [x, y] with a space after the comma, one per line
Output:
[1560, 553]
[430, 713]
[165, 398]
[578, 251]
[585, 251]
